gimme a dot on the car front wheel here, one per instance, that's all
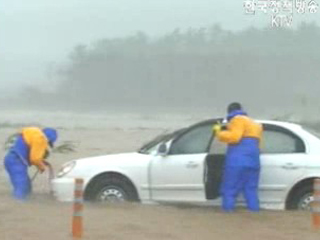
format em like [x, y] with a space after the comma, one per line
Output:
[111, 193]
[112, 189]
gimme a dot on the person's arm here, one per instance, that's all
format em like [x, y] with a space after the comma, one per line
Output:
[38, 148]
[234, 132]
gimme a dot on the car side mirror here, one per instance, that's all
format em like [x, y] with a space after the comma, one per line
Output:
[162, 149]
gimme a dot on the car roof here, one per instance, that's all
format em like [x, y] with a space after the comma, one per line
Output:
[280, 123]
[290, 125]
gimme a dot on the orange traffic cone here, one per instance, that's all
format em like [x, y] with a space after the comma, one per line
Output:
[77, 224]
[316, 204]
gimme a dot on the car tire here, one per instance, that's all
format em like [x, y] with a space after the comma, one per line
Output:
[112, 189]
[301, 199]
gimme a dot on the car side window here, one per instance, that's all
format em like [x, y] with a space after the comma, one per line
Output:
[196, 140]
[218, 147]
[281, 141]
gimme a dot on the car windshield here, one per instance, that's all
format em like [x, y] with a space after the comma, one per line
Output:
[145, 149]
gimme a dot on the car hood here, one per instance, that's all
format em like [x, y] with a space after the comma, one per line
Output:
[122, 159]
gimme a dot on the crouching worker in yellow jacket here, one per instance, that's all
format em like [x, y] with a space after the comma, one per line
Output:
[242, 165]
[30, 148]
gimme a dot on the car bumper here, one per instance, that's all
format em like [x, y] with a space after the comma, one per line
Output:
[63, 189]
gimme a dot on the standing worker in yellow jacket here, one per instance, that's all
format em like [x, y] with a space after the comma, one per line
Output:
[30, 148]
[242, 165]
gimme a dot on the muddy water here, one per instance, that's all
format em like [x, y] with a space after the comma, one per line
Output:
[44, 218]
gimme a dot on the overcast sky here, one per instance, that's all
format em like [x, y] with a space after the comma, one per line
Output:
[37, 34]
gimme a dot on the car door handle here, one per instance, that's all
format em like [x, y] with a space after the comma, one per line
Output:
[290, 166]
[192, 164]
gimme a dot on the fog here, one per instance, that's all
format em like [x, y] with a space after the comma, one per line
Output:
[156, 56]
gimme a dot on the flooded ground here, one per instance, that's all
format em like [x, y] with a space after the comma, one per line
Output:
[44, 218]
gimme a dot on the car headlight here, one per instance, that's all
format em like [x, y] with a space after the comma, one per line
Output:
[66, 168]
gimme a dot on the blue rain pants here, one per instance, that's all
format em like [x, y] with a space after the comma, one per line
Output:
[18, 173]
[240, 179]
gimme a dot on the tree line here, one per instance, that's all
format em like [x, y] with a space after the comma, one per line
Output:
[191, 69]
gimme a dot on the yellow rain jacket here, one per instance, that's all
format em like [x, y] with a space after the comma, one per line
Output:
[38, 145]
[243, 136]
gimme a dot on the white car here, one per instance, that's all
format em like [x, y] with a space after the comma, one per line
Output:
[186, 166]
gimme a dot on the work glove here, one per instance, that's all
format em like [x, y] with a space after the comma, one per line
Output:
[41, 167]
[216, 128]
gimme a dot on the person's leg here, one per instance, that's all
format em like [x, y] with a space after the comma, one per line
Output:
[18, 173]
[231, 186]
[251, 189]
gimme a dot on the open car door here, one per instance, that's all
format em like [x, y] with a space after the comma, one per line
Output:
[214, 168]
[180, 174]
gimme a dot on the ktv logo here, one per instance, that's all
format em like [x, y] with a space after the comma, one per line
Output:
[281, 11]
